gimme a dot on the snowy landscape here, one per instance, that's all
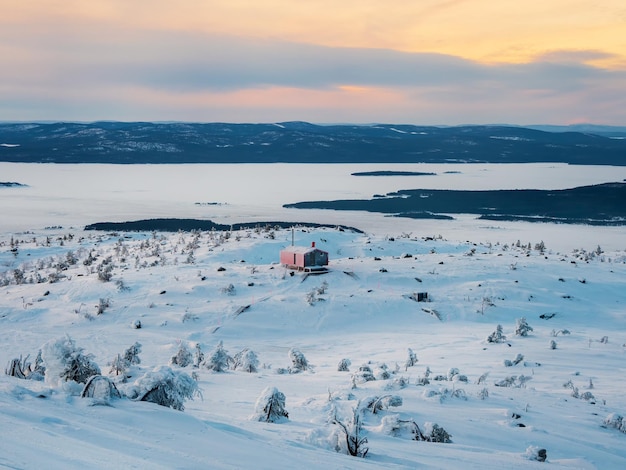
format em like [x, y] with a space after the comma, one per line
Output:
[512, 357]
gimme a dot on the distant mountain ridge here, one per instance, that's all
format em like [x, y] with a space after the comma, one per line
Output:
[302, 142]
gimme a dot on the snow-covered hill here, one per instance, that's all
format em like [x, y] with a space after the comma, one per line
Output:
[200, 289]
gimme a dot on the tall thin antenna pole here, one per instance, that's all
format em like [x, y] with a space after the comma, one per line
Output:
[292, 237]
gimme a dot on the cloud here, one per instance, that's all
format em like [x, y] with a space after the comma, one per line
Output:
[193, 62]
[185, 73]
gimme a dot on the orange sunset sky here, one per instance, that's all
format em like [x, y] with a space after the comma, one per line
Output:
[359, 61]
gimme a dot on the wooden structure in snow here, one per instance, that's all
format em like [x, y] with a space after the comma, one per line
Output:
[304, 258]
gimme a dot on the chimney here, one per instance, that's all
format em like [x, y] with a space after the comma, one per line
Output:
[312, 244]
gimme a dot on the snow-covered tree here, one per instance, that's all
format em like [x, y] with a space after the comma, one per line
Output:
[344, 365]
[246, 360]
[411, 359]
[198, 356]
[496, 336]
[65, 361]
[131, 355]
[522, 328]
[183, 356]
[219, 360]
[298, 361]
[118, 365]
[270, 406]
[166, 387]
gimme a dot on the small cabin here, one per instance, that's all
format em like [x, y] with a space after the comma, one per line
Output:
[304, 258]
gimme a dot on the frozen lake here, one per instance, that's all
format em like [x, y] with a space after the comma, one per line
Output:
[80, 194]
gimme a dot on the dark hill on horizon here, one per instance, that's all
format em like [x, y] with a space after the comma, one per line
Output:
[300, 142]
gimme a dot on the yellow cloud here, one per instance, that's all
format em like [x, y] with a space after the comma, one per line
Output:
[481, 30]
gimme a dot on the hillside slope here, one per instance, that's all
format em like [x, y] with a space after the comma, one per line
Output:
[199, 289]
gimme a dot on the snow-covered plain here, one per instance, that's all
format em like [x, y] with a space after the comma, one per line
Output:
[365, 314]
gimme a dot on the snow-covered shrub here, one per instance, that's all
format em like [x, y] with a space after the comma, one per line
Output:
[103, 305]
[166, 387]
[506, 382]
[588, 396]
[344, 365]
[615, 420]
[555, 333]
[270, 406]
[522, 328]
[100, 389]
[350, 437]
[246, 360]
[535, 453]
[422, 381]
[376, 404]
[444, 393]
[122, 363]
[18, 368]
[105, 270]
[396, 427]
[65, 361]
[363, 374]
[188, 316]
[397, 383]
[435, 433]
[483, 394]
[298, 361]
[321, 290]
[38, 371]
[552, 344]
[183, 356]
[569, 384]
[496, 336]
[391, 425]
[382, 372]
[228, 290]
[519, 358]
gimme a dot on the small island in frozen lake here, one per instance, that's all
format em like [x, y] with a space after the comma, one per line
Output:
[393, 173]
[11, 184]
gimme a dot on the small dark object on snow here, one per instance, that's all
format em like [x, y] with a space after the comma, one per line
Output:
[220, 269]
[542, 455]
